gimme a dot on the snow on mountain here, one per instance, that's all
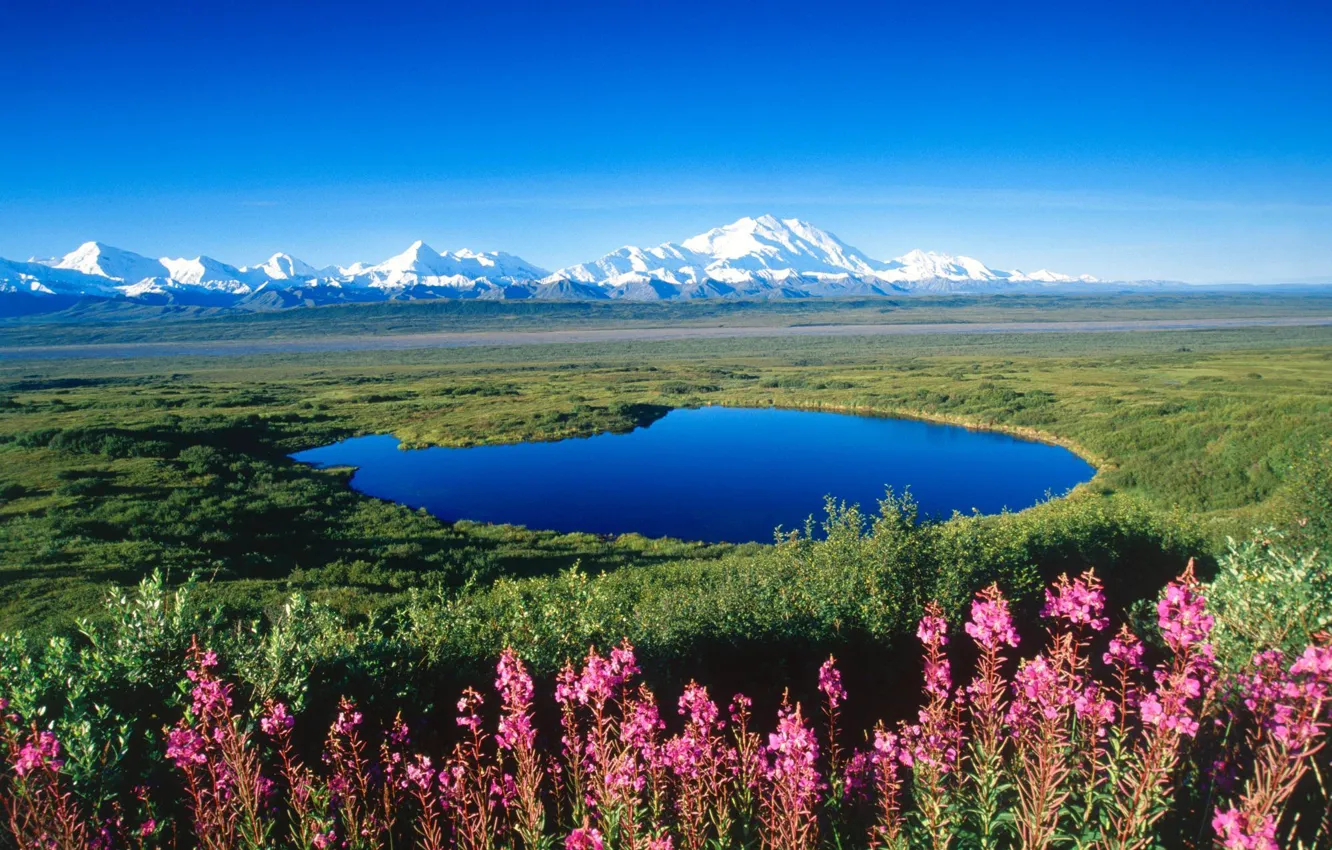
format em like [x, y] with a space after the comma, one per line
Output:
[282, 266]
[763, 248]
[421, 265]
[94, 258]
[1047, 276]
[920, 265]
[211, 274]
[134, 271]
[766, 244]
[770, 251]
[44, 279]
[763, 257]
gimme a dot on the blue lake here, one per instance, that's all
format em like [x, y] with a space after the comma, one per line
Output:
[712, 473]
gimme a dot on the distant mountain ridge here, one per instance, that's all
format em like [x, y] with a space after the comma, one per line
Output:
[762, 257]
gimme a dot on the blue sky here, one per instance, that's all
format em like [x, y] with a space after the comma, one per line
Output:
[1184, 140]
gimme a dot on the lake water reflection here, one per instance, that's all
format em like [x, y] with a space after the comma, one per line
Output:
[712, 473]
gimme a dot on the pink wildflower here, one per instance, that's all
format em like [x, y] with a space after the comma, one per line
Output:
[601, 676]
[858, 776]
[1182, 615]
[1080, 601]
[40, 753]
[467, 706]
[515, 687]
[1038, 694]
[185, 747]
[1235, 831]
[697, 707]
[933, 629]
[347, 721]
[584, 838]
[1316, 661]
[420, 773]
[276, 720]
[792, 754]
[1125, 650]
[830, 683]
[991, 624]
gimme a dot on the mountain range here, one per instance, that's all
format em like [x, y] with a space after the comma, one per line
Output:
[762, 257]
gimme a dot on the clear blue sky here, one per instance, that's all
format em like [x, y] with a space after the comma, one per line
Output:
[1187, 140]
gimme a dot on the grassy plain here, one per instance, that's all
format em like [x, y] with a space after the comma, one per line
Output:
[138, 323]
[112, 468]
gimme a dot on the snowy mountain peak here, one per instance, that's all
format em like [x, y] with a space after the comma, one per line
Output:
[422, 265]
[282, 266]
[765, 248]
[210, 273]
[96, 258]
[920, 265]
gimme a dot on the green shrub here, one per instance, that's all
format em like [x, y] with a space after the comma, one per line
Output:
[1267, 595]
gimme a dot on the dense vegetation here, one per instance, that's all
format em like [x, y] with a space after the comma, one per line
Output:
[159, 730]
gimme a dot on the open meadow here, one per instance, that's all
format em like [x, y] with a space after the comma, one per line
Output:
[170, 478]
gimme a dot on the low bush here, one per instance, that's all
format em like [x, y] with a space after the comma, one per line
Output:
[1088, 743]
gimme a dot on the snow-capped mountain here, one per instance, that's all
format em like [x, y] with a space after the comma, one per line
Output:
[94, 258]
[421, 265]
[282, 266]
[750, 249]
[101, 271]
[762, 257]
[766, 250]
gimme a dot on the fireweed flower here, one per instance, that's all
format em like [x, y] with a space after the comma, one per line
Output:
[830, 683]
[1167, 709]
[347, 721]
[470, 701]
[885, 758]
[1182, 615]
[1078, 601]
[933, 628]
[185, 747]
[1316, 661]
[565, 683]
[1093, 707]
[602, 676]
[42, 752]
[697, 708]
[858, 776]
[1038, 695]
[276, 719]
[515, 688]
[584, 838]
[1236, 831]
[792, 754]
[420, 773]
[210, 695]
[639, 728]
[991, 624]
[1125, 650]
[791, 780]
[1185, 626]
